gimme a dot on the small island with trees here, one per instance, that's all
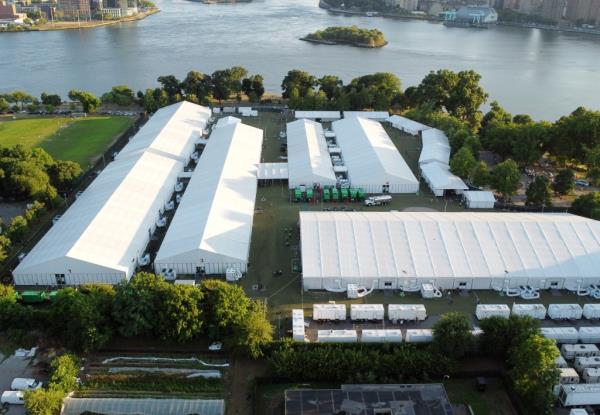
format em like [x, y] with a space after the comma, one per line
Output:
[349, 35]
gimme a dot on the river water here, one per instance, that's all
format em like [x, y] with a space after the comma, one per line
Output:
[545, 74]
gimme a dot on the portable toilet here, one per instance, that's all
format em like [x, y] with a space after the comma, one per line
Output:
[353, 194]
[298, 194]
[344, 192]
[309, 194]
[326, 195]
[335, 194]
[361, 194]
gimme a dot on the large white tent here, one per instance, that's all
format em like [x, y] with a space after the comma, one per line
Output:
[309, 161]
[101, 237]
[389, 250]
[373, 161]
[479, 199]
[319, 115]
[439, 178]
[406, 124]
[435, 147]
[211, 229]
[371, 115]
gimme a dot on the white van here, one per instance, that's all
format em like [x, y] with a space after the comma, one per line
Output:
[12, 397]
[24, 384]
[378, 200]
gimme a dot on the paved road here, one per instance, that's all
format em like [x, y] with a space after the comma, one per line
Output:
[11, 368]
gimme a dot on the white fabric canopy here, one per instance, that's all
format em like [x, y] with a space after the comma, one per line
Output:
[323, 115]
[372, 158]
[439, 178]
[309, 161]
[146, 406]
[371, 115]
[482, 250]
[435, 147]
[273, 171]
[102, 235]
[479, 199]
[406, 124]
[227, 121]
[212, 226]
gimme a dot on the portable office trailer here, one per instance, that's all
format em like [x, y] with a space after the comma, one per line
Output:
[567, 376]
[381, 336]
[571, 351]
[580, 395]
[561, 334]
[561, 362]
[591, 311]
[416, 312]
[419, 336]
[367, 312]
[584, 362]
[578, 411]
[537, 311]
[589, 334]
[329, 312]
[591, 375]
[298, 325]
[565, 311]
[337, 336]
[492, 310]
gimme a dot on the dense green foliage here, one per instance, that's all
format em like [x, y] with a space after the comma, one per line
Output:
[350, 34]
[505, 178]
[358, 363]
[564, 182]
[587, 205]
[452, 335]
[88, 101]
[539, 193]
[120, 95]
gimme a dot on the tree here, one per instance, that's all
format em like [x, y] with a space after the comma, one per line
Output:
[88, 101]
[181, 316]
[571, 135]
[65, 173]
[43, 402]
[331, 85]
[505, 178]
[539, 193]
[120, 95]
[374, 91]
[198, 84]
[480, 175]
[564, 182]
[255, 331]
[63, 373]
[587, 205]
[298, 80]
[17, 229]
[33, 212]
[463, 162]
[221, 84]
[51, 99]
[20, 98]
[522, 119]
[452, 335]
[500, 333]
[258, 87]
[496, 114]
[226, 306]
[171, 86]
[592, 160]
[4, 105]
[535, 355]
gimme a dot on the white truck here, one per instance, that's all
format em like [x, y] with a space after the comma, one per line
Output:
[12, 398]
[378, 200]
[25, 384]
[367, 311]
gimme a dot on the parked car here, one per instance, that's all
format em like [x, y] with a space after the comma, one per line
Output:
[24, 384]
[12, 398]
[582, 183]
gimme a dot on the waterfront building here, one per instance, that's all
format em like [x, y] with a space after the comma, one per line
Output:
[75, 9]
[8, 13]
[554, 9]
[583, 11]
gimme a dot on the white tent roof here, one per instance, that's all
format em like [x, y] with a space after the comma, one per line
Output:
[369, 153]
[147, 406]
[273, 171]
[435, 147]
[372, 115]
[308, 156]
[479, 196]
[406, 124]
[106, 228]
[226, 121]
[328, 115]
[439, 177]
[466, 244]
[215, 215]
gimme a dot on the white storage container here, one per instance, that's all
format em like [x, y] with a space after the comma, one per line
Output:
[589, 334]
[337, 336]
[571, 351]
[329, 312]
[591, 311]
[537, 311]
[429, 291]
[561, 334]
[410, 312]
[561, 362]
[580, 395]
[565, 311]
[591, 375]
[298, 332]
[367, 311]
[585, 362]
[382, 336]
[492, 310]
[419, 336]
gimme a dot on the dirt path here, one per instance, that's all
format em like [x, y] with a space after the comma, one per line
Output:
[238, 390]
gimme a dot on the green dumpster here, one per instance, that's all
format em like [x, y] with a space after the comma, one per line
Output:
[344, 194]
[335, 194]
[326, 195]
[52, 296]
[33, 297]
[297, 194]
[353, 194]
[361, 194]
[309, 194]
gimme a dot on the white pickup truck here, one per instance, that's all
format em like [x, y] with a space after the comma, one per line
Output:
[378, 200]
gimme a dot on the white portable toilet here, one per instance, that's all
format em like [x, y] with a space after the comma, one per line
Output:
[591, 311]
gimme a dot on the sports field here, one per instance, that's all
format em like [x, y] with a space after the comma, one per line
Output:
[77, 139]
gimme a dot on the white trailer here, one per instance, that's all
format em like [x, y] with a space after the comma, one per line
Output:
[591, 311]
[561, 362]
[419, 336]
[12, 398]
[378, 200]
[382, 336]
[492, 310]
[571, 351]
[329, 312]
[565, 311]
[537, 311]
[582, 363]
[591, 375]
[298, 330]
[337, 336]
[582, 394]
[561, 334]
[589, 334]
[367, 312]
[410, 312]
[578, 411]
[567, 376]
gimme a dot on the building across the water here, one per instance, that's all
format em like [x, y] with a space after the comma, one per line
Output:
[471, 16]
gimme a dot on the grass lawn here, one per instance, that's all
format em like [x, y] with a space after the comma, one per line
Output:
[77, 139]
[494, 401]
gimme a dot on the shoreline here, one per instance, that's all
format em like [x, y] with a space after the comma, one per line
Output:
[87, 24]
[341, 42]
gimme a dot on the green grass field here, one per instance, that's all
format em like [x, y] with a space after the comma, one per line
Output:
[76, 139]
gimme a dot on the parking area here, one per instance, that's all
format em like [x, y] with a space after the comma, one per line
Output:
[14, 367]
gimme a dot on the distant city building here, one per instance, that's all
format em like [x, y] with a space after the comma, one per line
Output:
[554, 9]
[530, 6]
[583, 11]
[75, 9]
[471, 16]
[408, 5]
[8, 14]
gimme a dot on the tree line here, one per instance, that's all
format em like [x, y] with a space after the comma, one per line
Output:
[87, 318]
